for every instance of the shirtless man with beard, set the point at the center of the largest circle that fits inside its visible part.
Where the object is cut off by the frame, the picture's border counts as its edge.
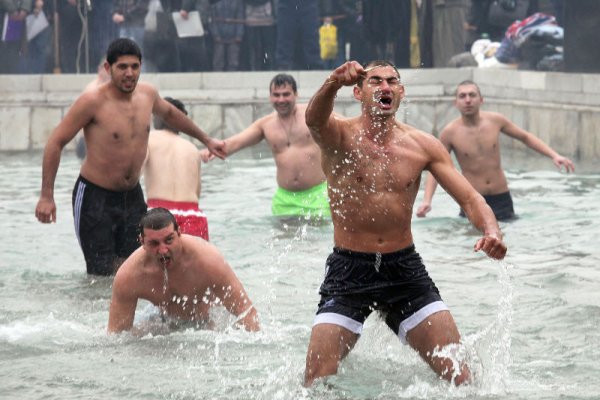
(108, 201)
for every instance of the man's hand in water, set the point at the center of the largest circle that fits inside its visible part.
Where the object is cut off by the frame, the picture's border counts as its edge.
(493, 246)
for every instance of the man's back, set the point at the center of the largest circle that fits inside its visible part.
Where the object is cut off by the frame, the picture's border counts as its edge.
(172, 169)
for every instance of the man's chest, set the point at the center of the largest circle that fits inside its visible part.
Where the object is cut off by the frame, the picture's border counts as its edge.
(476, 142)
(369, 168)
(123, 120)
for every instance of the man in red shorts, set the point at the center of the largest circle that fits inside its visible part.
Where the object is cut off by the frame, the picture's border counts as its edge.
(172, 176)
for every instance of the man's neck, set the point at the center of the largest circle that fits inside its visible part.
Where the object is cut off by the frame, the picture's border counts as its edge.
(119, 94)
(289, 115)
(471, 120)
(378, 128)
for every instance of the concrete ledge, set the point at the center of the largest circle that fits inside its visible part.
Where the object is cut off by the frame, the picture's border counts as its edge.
(20, 83)
(562, 109)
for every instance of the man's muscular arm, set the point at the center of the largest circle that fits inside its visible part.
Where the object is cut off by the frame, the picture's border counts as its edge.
(178, 120)
(319, 117)
(475, 207)
(78, 116)
(122, 303)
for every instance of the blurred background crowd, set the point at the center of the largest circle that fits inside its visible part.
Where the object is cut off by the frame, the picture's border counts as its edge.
(71, 36)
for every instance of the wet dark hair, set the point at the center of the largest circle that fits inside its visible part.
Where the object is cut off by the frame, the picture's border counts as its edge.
(122, 47)
(465, 83)
(160, 123)
(281, 80)
(377, 63)
(156, 219)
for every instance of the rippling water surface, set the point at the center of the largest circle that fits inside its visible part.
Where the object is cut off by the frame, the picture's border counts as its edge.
(529, 322)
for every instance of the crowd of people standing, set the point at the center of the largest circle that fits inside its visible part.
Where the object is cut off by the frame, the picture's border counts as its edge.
(70, 36)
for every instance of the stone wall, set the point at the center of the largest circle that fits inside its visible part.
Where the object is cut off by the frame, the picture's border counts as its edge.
(562, 109)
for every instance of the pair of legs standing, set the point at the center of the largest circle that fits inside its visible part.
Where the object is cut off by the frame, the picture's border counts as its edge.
(398, 286)
(330, 344)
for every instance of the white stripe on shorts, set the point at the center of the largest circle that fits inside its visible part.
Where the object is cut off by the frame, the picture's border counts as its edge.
(188, 213)
(418, 317)
(338, 319)
(77, 208)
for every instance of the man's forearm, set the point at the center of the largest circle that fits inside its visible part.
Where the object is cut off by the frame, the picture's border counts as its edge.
(482, 217)
(538, 145)
(49, 169)
(320, 105)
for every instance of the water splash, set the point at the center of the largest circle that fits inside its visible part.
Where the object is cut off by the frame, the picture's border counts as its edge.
(493, 343)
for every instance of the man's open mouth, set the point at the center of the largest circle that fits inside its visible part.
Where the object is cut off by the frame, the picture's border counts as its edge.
(385, 100)
(165, 260)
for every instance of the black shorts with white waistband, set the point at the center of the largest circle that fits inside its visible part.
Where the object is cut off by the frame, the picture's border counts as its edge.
(395, 284)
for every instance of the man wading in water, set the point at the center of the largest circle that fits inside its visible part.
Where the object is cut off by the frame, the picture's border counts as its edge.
(373, 165)
(108, 201)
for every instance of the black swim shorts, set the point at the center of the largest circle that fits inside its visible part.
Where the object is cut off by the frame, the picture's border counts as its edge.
(501, 204)
(395, 284)
(106, 224)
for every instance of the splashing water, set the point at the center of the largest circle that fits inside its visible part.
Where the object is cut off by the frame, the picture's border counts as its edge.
(494, 341)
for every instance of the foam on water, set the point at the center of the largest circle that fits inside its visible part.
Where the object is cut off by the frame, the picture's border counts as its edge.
(37, 330)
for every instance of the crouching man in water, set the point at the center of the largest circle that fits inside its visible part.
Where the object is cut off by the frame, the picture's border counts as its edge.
(183, 275)
(373, 165)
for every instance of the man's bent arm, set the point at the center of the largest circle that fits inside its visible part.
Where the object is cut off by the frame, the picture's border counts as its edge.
(229, 289)
(475, 207)
(537, 144)
(319, 111)
(320, 106)
(178, 120)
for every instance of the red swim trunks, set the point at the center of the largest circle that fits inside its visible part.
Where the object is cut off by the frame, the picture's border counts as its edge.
(189, 217)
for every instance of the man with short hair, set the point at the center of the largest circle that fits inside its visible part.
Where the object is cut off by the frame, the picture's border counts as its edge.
(182, 275)
(302, 187)
(172, 175)
(107, 199)
(373, 165)
(474, 137)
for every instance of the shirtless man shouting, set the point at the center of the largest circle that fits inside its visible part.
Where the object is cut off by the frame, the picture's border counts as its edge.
(373, 165)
